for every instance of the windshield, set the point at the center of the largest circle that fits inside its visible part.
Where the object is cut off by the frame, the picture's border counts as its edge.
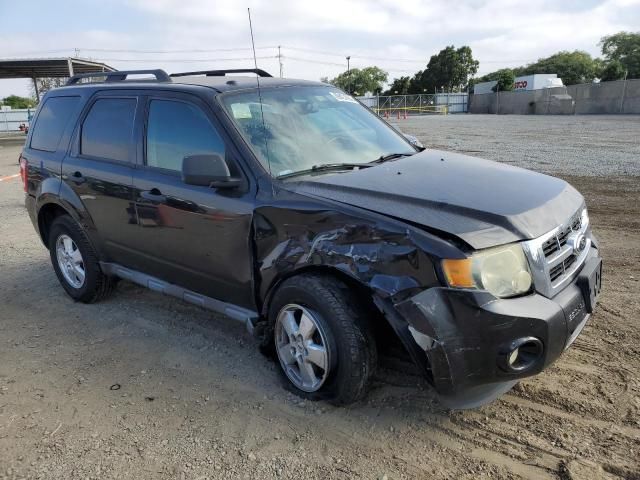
(307, 127)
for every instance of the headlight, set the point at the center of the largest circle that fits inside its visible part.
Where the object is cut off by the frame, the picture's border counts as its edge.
(502, 271)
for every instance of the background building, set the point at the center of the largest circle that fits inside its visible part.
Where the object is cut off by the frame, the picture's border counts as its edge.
(525, 82)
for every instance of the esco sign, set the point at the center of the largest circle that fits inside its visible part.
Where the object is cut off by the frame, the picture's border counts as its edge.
(520, 85)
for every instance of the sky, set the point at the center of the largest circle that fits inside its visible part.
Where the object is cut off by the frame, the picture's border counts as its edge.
(315, 37)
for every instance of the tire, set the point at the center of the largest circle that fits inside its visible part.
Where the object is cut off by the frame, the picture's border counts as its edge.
(340, 326)
(66, 236)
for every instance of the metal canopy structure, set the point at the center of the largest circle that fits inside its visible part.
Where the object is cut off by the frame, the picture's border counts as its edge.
(35, 68)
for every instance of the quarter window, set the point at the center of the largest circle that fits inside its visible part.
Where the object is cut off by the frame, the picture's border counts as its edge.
(176, 130)
(107, 130)
(52, 121)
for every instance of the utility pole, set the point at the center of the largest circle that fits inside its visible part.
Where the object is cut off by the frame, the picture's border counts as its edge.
(280, 60)
(624, 88)
(348, 75)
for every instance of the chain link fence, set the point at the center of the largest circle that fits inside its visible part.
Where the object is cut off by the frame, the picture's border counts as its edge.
(402, 106)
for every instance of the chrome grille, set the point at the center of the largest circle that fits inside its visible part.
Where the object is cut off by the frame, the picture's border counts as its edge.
(556, 242)
(555, 258)
(557, 271)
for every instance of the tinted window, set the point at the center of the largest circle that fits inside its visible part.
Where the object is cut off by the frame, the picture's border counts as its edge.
(52, 120)
(107, 129)
(176, 130)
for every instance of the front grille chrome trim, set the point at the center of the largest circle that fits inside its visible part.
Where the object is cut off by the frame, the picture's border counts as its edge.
(542, 265)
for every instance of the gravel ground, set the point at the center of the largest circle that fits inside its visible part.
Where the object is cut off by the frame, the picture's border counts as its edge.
(145, 386)
(589, 145)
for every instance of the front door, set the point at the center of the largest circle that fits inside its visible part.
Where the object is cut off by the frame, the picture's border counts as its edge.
(192, 236)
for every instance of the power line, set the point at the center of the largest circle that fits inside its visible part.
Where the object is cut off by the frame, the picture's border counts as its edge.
(365, 57)
(390, 59)
(174, 51)
(306, 60)
(299, 49)
(181, 60)
(129, 50)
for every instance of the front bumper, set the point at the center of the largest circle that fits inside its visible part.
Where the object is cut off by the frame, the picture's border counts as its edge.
(466, 334)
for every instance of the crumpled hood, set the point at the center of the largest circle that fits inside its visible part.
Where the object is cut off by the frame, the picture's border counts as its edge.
(482, 202)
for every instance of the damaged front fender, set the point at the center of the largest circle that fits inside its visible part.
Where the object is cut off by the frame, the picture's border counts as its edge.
(388, 257)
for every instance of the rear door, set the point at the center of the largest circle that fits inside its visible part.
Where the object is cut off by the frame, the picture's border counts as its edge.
(192, 236)
(99, 169)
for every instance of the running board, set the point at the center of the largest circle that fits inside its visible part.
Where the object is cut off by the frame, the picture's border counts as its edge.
(248, 317)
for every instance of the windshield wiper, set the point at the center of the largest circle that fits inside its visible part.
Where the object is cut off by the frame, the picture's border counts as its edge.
(327, 167)
(390, 156)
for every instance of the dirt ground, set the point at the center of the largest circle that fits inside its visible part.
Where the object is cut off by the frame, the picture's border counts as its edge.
(145, 386)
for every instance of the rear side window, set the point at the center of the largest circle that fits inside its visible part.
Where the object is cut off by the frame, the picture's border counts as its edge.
(176, 130)
(52, 121)
(107, 130)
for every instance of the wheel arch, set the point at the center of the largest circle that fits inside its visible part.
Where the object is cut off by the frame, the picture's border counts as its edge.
(47, 213)
(352, 282)
(50, 207)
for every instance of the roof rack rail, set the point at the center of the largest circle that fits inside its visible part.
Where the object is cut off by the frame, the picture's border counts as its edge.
(222, 73)
(120, 75)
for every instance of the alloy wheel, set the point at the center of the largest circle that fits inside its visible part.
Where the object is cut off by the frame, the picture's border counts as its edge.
(302, 347)
(70, 261)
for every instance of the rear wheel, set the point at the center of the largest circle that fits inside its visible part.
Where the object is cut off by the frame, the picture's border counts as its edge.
(322, 339)
(76, 262)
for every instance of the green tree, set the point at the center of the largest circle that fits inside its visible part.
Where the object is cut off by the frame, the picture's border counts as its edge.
(400, 86)
(612, 70)
(450, 70)
(360, 81)
(505, 78)
(14, 101)
(572, 67)
(623, 47)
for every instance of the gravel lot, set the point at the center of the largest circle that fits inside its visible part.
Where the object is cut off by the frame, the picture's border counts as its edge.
(145, 386)
(589, 145)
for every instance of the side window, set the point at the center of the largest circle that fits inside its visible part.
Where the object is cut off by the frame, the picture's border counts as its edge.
(176, 130)
(52, 121)
(107, 129)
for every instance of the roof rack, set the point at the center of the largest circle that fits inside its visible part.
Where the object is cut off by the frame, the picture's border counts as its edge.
(222, 73)
(121, 75)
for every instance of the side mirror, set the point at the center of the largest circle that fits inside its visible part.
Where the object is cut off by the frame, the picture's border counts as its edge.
(208, 171)
(414, 141)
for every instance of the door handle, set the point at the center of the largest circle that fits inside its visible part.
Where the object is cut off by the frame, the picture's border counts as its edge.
(154, 195)
(78, 178)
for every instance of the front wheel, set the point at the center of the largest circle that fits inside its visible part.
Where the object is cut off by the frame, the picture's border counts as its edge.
(322, 339)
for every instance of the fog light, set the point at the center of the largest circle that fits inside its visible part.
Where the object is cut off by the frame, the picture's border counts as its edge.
(521, 355)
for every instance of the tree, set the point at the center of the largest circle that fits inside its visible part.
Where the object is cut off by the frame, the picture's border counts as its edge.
(572, 67)
(360, 81)
(450, 69)
(505, 78)
(612, 70)
(14, 101)
(400, 86)
(624, 48)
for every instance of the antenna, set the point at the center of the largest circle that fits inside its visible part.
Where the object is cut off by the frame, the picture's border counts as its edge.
(255, 62)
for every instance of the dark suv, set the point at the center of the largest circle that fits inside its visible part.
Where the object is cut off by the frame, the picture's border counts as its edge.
(293, 208)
